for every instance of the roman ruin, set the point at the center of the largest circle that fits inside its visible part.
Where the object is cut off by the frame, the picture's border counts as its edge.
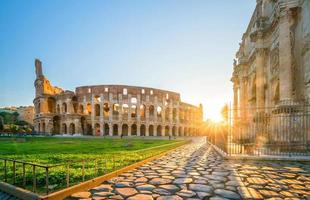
(113, 110)
(271, 75)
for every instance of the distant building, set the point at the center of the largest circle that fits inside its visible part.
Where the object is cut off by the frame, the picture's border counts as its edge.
(113, 110)
(26, 113)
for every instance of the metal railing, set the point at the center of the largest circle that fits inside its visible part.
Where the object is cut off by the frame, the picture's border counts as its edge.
(282, 130)
(45, 179)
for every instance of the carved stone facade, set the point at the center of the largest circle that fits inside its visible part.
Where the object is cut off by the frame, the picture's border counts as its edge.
(113, 110)
(272, 65)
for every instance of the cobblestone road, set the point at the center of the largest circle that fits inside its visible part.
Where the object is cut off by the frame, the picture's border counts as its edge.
(196, 171)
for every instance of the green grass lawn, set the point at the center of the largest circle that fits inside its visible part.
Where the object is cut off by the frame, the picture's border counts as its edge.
(52, 150)
(81, 158)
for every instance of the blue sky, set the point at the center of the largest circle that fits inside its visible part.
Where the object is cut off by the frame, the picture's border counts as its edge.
(185, 46)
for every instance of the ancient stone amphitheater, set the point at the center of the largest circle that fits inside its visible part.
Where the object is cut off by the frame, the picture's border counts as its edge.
(113, 110)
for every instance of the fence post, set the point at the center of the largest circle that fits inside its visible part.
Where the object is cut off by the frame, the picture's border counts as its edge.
(24, 175)
(14, 172)
(5, 171)
(68, 175)
(46, 180)
(83, 170)
(34, 186)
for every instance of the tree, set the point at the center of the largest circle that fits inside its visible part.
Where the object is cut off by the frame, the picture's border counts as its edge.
(1, 123)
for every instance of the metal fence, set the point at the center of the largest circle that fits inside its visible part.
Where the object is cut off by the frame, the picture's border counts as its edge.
(45, 179)
(282, 130)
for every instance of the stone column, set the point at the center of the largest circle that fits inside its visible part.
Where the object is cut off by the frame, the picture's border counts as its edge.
(285, 56)
(235, 105)
(110, 129)
(260, 77)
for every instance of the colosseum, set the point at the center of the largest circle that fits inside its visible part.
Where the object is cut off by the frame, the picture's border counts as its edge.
(112, 110)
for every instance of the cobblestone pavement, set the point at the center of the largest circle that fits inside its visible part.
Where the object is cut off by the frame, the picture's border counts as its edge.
(196, 171)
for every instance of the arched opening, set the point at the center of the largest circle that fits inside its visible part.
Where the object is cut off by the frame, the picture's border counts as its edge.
(97, 129)
(72, 129)
(134, 129)
(142, 112)
(159, 112)
(43, 127)
(64, 128)
(151, 130)
(125, 130)
(81, 109)
(174, 114)
(89, 129)
(106, 110)
(125, 109)
(51, 105)
(185, 132)
(133, 111)
(38, 108)
(151, 111)
(56, 124)
(39, 127)
(83, 124)
(180, 131)
(75, 104)
(142, 130)
(88, 108)
(106, 129)
(167, 129)
(97, 110)
(115, 129)
(58, 109)
(174, 131)
(116, 109)
(158, 132)
(64, 108)
(167, 114)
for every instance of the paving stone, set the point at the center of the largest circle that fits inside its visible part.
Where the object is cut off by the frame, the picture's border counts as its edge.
(186, 193)
(162, 191)
(249, 193)
(147, 187)
(200, 188)
(269, 193)
(81, 195)
(172, 197)
(126, 192)
(227, 194)
(141, 197)
(160, 181)
(170, 188)
(124, 184)
(182, 180)
(102, 188)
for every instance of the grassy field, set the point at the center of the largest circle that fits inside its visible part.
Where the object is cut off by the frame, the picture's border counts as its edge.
(80, 159)
(49, 150)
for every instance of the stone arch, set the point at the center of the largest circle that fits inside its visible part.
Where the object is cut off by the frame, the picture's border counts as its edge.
(89, 129)
(106, 129)
(180, 131)
(142, 130)
(58, 109)
(106, 110)
(134, 130)
(125, 110)
(142, 111)
(125, 130)
(88, 108)
(81, 109)
(97, 110)
(43, 127)
(116, 109)
(64, 108)
(97, 129)
(167, 114)
(159, 111)
(133, 111)
(51, 105)
(167, 129)
(159, 130)
(151, 130)
(151, 111)
(39, 127)
(83, 125)
(56, 124)
(115, 130)
(174, 131)
(64, 128)
(174, 114)
(72, 128)
(75, 104)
